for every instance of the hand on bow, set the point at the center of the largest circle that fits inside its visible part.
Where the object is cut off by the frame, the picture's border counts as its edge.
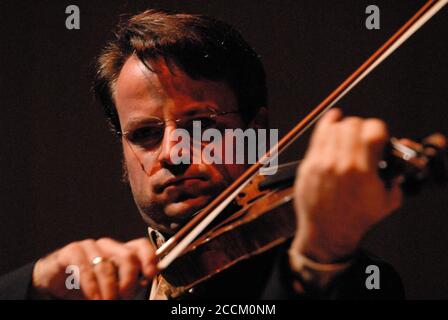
(107, 269)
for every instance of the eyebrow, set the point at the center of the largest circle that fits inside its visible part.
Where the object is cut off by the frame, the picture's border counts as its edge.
(195, 109)
(135, 122)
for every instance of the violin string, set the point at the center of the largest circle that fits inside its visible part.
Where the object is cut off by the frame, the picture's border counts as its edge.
(415, 23)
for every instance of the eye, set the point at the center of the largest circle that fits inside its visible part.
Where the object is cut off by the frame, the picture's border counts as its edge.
(205, 121)
(147, 136)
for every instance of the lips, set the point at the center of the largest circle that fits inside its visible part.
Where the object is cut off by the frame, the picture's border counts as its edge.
(177, 181)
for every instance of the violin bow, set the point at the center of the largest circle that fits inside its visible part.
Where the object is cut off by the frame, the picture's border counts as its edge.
(174, 247)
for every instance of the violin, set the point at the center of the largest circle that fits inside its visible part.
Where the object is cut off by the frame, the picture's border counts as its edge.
(261, 215)
(265, 217)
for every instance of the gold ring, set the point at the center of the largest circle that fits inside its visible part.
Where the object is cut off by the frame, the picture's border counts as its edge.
(97, 260)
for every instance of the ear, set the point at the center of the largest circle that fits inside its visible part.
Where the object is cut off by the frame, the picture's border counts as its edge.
(260, 121)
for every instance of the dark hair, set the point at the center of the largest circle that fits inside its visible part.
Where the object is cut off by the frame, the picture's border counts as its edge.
(204, 48)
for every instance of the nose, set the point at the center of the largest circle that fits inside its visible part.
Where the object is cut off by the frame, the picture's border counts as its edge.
(167, 145)
(166, 148)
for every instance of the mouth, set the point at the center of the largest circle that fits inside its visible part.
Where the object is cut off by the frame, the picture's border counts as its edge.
(173, 182)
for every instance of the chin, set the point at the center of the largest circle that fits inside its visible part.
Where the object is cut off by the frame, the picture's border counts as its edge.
(181, 211)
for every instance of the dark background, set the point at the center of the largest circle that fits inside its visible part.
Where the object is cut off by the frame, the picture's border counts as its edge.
(60, 167)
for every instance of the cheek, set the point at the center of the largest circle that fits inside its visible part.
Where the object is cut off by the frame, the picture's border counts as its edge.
(139, 169)
(235, 170)
(219, 171)
(224, 174)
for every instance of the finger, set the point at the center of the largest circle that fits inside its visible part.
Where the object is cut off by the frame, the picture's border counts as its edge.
(74, 254)
(142, 247)
(128, 265)
(105, 271)
(330, 116)
(351, 153)
(321, 131)
(349, 142)
(374, 137)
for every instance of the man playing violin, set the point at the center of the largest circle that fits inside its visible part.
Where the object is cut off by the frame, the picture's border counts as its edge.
(161, 71)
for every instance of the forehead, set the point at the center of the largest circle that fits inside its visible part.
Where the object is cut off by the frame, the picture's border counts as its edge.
(141, 92)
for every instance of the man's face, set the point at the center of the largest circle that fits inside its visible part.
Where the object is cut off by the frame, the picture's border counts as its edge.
(168, 194)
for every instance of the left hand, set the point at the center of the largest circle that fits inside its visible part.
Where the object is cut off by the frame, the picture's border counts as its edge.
(338, 193)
